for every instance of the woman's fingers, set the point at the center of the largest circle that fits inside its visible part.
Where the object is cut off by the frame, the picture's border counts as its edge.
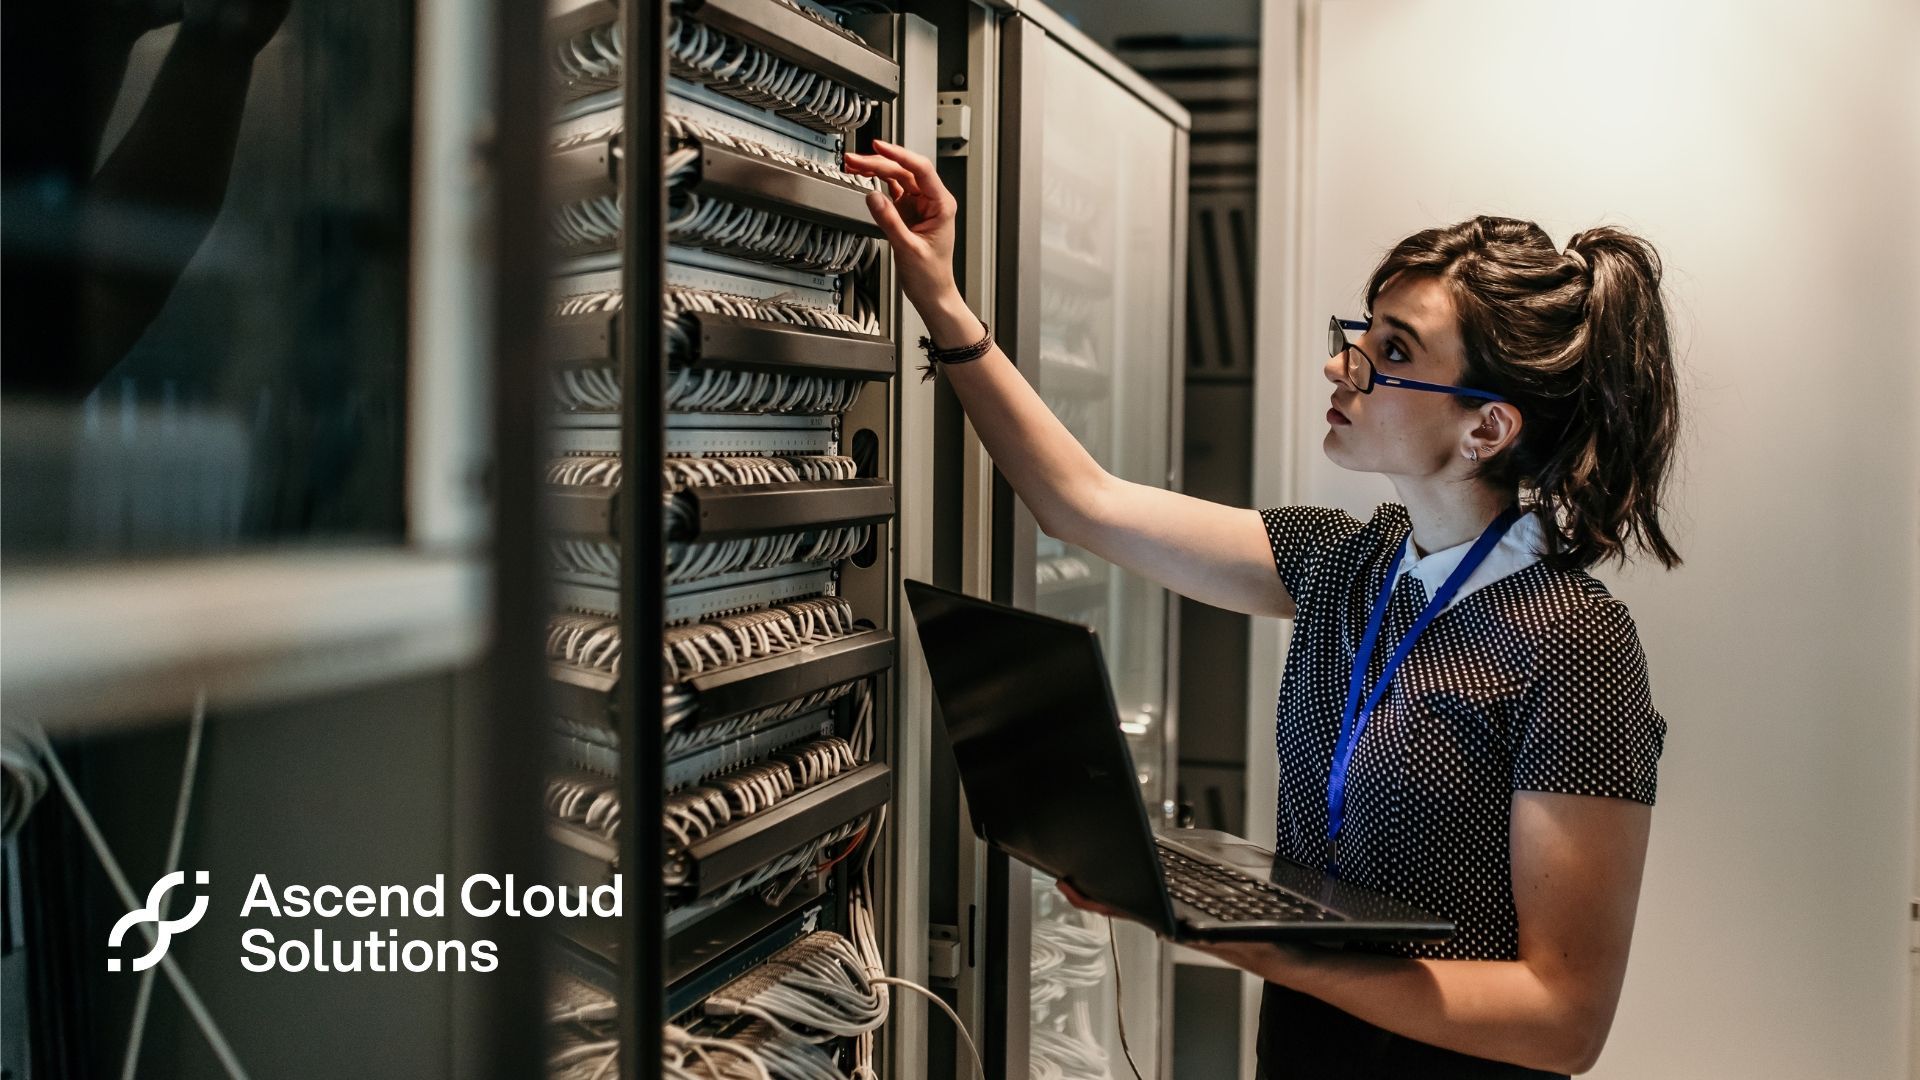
(1080, 901)
(891, 171)
(887, 216)
(921, 168)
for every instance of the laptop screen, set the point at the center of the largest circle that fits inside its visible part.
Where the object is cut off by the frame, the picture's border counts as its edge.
(1027, 705)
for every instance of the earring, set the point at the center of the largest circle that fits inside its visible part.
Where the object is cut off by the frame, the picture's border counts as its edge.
(1473, 454)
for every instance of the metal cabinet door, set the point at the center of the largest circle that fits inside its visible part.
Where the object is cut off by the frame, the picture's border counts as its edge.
(1092, 210)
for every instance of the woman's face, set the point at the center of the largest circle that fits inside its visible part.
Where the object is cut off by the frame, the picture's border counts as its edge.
(1396, 431)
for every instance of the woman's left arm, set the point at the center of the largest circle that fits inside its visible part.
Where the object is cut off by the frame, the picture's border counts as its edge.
(1577, 862)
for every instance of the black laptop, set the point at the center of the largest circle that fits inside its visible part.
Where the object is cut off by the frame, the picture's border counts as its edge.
(1049, 781)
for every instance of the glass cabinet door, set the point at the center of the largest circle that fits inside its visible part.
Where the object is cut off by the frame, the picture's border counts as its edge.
(1106, 362)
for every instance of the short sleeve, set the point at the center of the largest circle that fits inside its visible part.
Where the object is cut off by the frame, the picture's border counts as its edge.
(1586, 723)
(1299, 536)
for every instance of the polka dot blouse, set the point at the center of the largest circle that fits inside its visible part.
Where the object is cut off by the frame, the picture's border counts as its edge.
(1533, 682)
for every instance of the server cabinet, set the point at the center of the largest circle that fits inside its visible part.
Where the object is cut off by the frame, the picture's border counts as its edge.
(1073, 191)
(724, 317)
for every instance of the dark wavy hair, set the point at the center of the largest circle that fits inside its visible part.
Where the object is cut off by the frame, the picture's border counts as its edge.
(1578, 341)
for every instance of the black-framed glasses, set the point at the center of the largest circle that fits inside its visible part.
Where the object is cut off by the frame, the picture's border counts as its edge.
(1363, 376)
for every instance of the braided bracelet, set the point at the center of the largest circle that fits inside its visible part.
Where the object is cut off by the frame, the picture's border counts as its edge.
(961, 355)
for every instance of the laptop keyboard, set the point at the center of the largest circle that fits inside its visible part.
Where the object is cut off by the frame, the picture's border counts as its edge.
(1234, 897)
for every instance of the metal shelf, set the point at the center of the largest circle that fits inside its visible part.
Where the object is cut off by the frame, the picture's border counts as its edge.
(732, 342)
(714, 951)
(581, 694)
(592, 169)
(731, 511)
(582, 509)
(737, 510)
(744, 688)
(747, 845)
(585, 857)
(755, 181)
(790, 35)
(585, 170)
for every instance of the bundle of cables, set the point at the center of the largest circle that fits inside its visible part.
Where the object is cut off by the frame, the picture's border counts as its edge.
(757, 1051)
(702, 220)
(581, 1020)
(585, 640)
(814, 990)
(714, 390)
(685, 130)
(573, 555)
(588, 799)
(588, 62)
(777, 879)
(693, 814)
(685, 738)
(692, 561)
(696, 648)
(591, 61)
(596, 388)
(1070, 967)
(748, 73)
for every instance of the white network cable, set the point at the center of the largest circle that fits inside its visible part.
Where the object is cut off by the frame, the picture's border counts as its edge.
(588, 799)
(755, 1052)
(691, 389)
(589, 62)
(693, 814)
(866, 942)
(679, 474)
(683, 738)
(702, 220)
(592, 641)
(680, 300)
(757, 77)
(592, 61)
(814, 990)
(685, 129)
(584, 640)
(602, 470)
(694, 561)
(696, 648)
(1062, 568)
(731, 229)
(775, 880)
(590, 558)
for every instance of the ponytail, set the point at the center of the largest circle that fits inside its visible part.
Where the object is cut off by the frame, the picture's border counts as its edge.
(1578, 341)
(1606, 474)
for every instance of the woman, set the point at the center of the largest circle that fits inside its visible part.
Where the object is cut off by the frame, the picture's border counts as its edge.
(1465, 720)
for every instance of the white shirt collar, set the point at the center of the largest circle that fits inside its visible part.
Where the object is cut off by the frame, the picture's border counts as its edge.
(1520, 548)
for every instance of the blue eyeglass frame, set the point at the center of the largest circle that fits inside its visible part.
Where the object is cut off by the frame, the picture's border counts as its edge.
(1337, 327)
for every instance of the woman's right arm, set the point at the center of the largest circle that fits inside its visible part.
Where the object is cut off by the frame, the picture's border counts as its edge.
(1213, 553)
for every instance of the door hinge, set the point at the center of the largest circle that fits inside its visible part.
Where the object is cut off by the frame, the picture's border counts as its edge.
(953, 123)
(943, 953)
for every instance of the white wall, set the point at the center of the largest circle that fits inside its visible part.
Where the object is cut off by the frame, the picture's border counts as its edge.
(1772, 154)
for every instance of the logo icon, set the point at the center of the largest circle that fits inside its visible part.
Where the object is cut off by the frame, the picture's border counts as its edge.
(164, 929)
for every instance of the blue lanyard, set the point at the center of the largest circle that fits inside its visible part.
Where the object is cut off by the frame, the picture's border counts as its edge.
(1354, 720)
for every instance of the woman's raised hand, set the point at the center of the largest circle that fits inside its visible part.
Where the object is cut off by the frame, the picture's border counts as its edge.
(916, 213)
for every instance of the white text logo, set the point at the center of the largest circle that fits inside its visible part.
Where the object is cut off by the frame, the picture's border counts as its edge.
(165, 928)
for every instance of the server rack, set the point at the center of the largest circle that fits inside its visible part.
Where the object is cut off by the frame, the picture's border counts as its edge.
(723, 315)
